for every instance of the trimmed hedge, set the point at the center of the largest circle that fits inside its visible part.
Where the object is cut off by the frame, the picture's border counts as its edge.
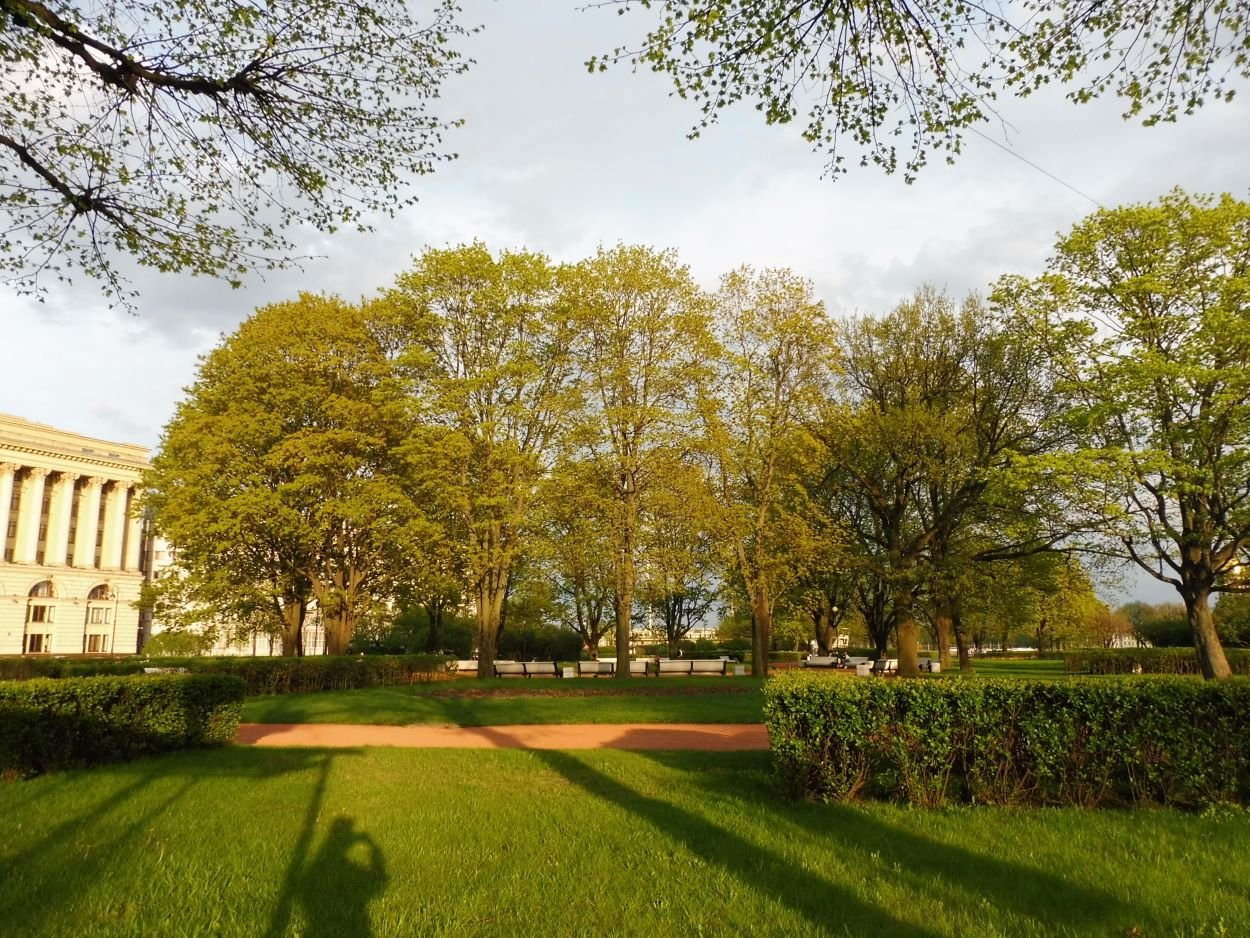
(1167, 741)
(48, 724)
(260, 675)
(1148, 661)
(304, 675)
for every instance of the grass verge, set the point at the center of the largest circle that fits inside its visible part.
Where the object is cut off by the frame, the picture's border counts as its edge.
(436, 842)
(507, 702)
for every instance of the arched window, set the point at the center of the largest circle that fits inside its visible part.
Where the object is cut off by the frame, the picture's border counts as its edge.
(97, 630)
(40, 616)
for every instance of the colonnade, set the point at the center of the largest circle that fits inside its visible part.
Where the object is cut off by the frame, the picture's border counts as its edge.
(47, 513)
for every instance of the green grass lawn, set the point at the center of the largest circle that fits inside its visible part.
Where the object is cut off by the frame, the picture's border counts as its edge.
(1016, 667)
(504, 702)
(387, 842)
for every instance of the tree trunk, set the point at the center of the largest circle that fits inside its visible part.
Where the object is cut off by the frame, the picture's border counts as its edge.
(908, 638)
(623, 605)
(822, 620)
(293, 612)
(1211, 657)
(961, 643)
(942, 628)
(626, 575)
(434, 637)
(761, 631)
(491, 593)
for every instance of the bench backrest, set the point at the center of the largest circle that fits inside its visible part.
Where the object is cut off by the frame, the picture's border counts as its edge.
(509, 667)
(540, 667)
(638, 667)
(712, 667)
(596, 667)
(675, 665)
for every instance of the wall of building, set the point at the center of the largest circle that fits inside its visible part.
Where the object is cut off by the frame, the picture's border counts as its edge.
(71, 551)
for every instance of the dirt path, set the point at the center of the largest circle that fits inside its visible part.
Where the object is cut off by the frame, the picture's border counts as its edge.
(702, 736)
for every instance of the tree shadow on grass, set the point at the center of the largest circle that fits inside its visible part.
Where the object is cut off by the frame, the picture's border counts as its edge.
(40, 881)
(825, 905)
(933, 870)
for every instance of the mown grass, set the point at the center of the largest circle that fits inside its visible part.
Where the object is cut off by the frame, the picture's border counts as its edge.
(1034, 668)
(271, 842)
(507, 702)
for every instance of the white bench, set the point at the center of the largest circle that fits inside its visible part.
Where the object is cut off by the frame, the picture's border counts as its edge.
(692, 666)
(465, 666)
(526, 669)
(820, 661)
(884, 666)
(637, 667)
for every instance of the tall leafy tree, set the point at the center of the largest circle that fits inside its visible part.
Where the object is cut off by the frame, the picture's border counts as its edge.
(772, 378)
(872, 72)
(644, 339)
(490, 360)
(1146, 309)
(280, 475)
(188, 134)
(939, 402)
(680, 569)
(575, 545)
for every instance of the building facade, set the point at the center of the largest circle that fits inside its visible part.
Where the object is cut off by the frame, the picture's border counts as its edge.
(71, 565)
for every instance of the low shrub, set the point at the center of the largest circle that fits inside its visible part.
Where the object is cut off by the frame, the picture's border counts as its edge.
(786, 655)
(344, 672)
(260, 675)
(1166, 741)
(48, 724)
(1147, 661)
(24, 667)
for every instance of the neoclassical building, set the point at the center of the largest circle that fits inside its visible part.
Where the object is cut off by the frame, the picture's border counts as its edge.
(70, 570)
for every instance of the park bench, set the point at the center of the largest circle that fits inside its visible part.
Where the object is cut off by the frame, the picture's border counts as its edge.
(820, 661)
(595, 668)
(885, 666)
(526, 669)
(464, 665)
(692, 666)
(540, 669)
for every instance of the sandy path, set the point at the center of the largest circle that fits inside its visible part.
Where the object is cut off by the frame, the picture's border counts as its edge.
(702, 736)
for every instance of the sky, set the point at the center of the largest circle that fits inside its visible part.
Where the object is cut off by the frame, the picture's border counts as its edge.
(557, 160)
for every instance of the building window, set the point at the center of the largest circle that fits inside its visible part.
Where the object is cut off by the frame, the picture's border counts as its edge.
(39, 612)
(38, 643)
(99, 615)
(96, 644)
(99, 592)
(42, 590)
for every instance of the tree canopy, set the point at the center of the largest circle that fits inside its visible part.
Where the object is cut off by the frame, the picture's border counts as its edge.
(891, 76)
(189, 134)
(1144, 313)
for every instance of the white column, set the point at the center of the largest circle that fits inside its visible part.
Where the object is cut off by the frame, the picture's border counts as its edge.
(134, 535)
(88, 522)
(114, 526)
(29, 512)
(7, 471)
(58, 519)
